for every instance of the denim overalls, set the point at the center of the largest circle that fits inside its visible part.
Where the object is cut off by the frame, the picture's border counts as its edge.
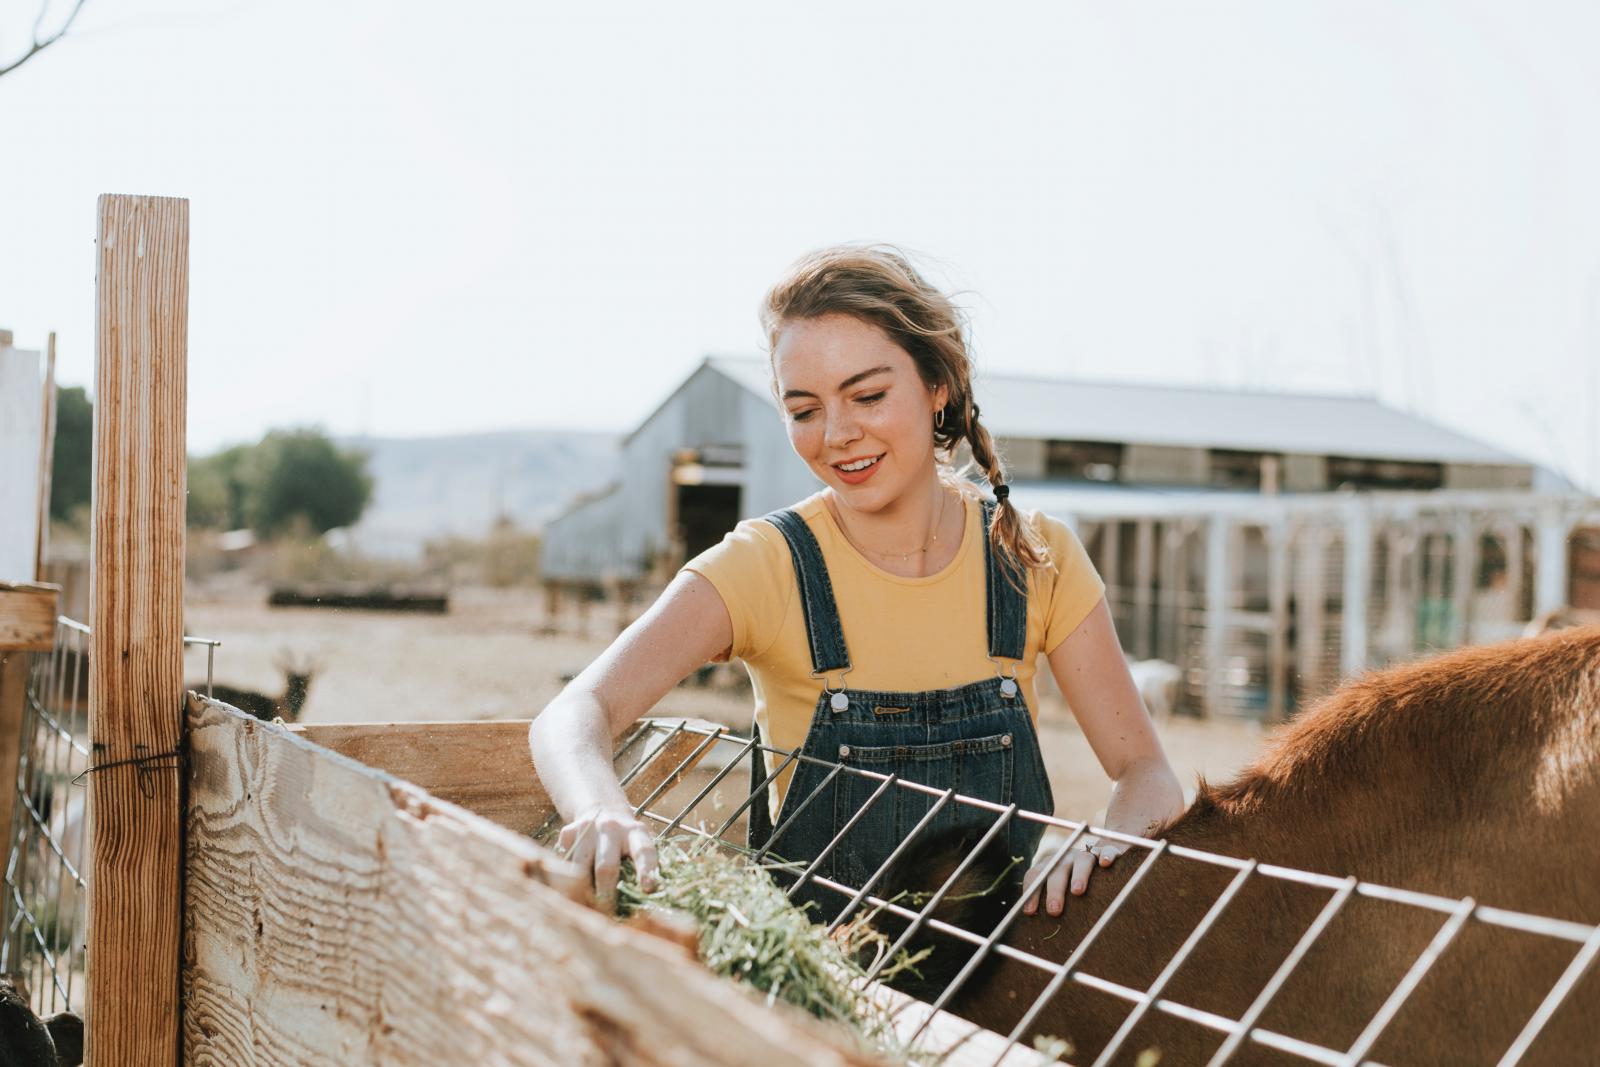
(978, 739)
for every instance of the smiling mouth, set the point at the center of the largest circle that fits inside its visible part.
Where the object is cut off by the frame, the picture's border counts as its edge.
(857, 466)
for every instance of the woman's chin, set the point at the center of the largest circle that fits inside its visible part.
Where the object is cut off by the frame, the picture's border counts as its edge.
(862, 497)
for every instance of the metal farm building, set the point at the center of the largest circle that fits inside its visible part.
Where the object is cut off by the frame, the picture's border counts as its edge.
(1267, 543)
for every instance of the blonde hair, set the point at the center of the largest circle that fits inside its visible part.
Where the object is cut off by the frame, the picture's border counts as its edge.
(878, 284)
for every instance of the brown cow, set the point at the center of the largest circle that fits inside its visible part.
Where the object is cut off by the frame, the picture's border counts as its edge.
(1473, 773)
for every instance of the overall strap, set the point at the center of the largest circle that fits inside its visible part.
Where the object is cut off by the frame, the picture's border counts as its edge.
(828, 652)
(1008, 605)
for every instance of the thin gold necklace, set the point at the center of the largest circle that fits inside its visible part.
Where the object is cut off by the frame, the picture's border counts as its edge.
(905, 557)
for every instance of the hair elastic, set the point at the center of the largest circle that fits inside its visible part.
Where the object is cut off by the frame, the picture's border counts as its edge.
(1001, 492)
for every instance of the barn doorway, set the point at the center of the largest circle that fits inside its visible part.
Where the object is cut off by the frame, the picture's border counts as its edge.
(705, 513)
(706, 488)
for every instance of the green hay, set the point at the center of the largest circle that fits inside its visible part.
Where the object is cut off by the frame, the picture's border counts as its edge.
(752, 932)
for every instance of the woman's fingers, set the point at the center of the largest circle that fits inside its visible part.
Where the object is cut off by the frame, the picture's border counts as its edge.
(1035, 877)
(1082, 864)
(607, 865)
(580, 845)
(1055, 887)
(642, 847)
(1072, 873)
(598, 842)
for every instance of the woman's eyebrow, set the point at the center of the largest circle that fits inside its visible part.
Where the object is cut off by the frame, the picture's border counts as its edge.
(847, 383)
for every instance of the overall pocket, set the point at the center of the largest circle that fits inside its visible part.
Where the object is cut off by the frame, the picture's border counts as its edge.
(980, 767)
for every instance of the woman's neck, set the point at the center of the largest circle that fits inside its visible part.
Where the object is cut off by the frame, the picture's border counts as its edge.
(914, 535)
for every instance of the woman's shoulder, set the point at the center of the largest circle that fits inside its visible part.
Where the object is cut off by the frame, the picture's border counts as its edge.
(1048, 524)
(1070, 570)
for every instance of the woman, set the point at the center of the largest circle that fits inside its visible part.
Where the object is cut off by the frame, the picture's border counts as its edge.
(891, 621)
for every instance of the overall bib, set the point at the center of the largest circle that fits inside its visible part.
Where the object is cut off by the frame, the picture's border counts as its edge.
(978, 739)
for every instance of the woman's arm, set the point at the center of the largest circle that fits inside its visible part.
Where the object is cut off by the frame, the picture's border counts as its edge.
(1093, 676)
(572, 739)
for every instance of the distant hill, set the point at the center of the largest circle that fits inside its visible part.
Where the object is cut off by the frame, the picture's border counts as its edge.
(431, 487)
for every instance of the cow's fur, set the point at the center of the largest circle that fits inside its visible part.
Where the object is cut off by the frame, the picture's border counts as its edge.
(1474, 773)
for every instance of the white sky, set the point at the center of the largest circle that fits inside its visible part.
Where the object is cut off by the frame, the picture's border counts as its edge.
(527, 217)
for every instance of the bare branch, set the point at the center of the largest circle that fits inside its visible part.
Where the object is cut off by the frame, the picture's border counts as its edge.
(41, 45)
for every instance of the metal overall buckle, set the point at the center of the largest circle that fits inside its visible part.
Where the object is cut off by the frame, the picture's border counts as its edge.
(1008, 683)
(836, 698)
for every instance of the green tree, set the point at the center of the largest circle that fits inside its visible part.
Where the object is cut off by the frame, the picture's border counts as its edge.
(218, 491)
(296, 476)
(74, 453)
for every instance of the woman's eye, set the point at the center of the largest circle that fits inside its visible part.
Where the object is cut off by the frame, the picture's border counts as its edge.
(873, 399)
(802, 416)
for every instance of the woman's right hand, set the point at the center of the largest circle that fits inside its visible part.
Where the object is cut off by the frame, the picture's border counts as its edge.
(572, 740)
(598, 839)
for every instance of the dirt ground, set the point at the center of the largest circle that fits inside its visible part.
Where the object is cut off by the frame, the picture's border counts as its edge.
(494, 657)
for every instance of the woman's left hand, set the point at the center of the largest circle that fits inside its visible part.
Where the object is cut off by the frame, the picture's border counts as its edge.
(1071, 872)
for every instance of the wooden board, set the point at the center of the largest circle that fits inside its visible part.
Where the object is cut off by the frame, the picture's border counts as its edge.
(482, 765)
(337, 915)
(136, 664)
(28, 617)
(949, 1040)
(13, 703)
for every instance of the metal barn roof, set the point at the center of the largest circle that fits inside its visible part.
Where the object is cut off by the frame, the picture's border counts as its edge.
(1195, 417)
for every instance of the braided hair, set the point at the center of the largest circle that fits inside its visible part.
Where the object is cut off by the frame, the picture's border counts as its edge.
(878, 284)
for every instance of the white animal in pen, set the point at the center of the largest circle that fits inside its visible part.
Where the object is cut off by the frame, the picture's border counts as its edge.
(1157, 682)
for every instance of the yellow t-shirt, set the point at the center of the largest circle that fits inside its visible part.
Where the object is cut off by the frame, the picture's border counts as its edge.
(905, 634)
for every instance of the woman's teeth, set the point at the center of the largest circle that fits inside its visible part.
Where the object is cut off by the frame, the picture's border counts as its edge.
(863, 465)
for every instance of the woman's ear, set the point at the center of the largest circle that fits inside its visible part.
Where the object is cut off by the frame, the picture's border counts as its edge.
(941, 397)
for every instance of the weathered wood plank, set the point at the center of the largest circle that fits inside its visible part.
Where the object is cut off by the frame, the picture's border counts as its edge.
(28, 616)
(483, 765)
(13, 702)
(136, 666)
(337, 915)
(950, 1040)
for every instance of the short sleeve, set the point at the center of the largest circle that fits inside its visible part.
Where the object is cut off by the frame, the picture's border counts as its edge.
(1077, 586)
(751, 571)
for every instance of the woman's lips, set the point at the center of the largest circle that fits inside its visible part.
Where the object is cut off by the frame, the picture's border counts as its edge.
(857, 477)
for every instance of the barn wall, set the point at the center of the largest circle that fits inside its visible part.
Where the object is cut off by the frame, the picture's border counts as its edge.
(335, 916)
(703, 411)
(584, 543)
(618, 532)
(774, 476)
(1487, 476)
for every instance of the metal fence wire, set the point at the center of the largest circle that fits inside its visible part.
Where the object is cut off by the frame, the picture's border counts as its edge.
(706, 796)
(47, 865)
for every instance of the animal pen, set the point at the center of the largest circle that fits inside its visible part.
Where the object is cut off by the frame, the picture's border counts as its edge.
(1268, 601)
(377, 893)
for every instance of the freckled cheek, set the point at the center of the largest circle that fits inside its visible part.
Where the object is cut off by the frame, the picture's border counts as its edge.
(805, 439)
(904, 428)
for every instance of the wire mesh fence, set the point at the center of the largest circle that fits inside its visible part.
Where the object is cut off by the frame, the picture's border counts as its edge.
(47, 863)
(706, 797)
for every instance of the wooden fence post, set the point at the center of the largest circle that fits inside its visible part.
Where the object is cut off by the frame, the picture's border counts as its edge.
(135, 673)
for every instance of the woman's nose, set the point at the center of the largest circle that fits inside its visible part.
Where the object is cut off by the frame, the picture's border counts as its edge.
(841, 430)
